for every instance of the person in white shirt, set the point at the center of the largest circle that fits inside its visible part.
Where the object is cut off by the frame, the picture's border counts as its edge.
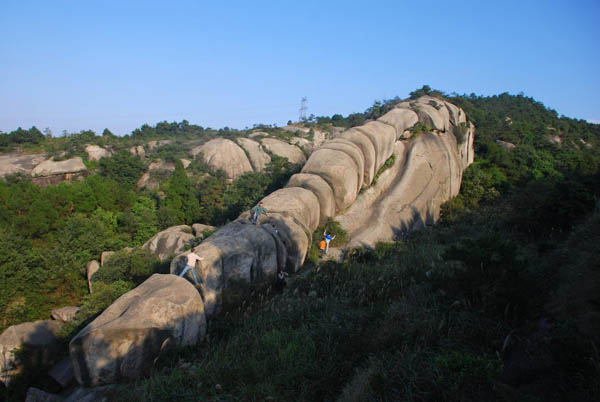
(192, 257)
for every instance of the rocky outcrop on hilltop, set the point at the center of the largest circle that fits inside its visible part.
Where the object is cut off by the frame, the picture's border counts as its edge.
(337, 180)
(170, 241)
(226, 155)
(52, 172)
(256, 153)
(15, 162)
(95, 152)
(294, 154)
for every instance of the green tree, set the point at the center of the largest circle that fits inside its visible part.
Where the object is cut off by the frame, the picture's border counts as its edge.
(123, 168)
(180, 196)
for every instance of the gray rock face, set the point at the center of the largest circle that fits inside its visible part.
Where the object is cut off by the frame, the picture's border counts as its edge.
(39, 337)
(505, 145)
(64, 314)
(226, 155)
(95, 152)
(62, 372)
(368, 150)
(123, 342)
(105, 256)
(37, 395)
(238, 251)
(14, 162)
(50, 168)
(303, 144)
(256, 154)
(170, 241)
(294, 154)
(156, 144)
(156, 170)
(297, 203)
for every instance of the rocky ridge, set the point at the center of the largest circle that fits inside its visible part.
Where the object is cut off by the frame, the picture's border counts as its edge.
(336, 181)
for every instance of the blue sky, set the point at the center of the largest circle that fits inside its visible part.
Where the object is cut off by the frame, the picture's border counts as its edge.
(74, 65)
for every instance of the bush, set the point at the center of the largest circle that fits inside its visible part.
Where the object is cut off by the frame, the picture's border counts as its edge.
(128, 266)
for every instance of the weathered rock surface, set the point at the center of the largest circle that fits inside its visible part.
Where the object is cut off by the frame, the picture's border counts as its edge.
(96, 152)
(400, 119)
(320, 188)
(62, 372)
(226, 155)
(368, 150)
(40, 340)
(339, 170)
(64, 314)
(294, 154)
(170, 241)
(302, 143)
(383, 137)
(256, 154)
(15, 162)
(91, 268)
(198, 228)
(237, 251)
(105, 256)
(98, 394)
(123, 342)
(157, 171)
(50, 168)
(37, 395)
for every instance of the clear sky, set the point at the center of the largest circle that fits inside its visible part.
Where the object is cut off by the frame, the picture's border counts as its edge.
(74, 65)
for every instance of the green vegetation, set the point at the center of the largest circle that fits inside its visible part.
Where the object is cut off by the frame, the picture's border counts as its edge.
(388, 163)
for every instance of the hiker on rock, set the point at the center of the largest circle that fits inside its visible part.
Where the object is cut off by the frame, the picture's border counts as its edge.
(322, 247)
(257, 211)
(280, 282)
(190, 263)
(328, 238)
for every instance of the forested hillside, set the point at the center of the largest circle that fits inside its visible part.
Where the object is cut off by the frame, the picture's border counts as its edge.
(497, 302)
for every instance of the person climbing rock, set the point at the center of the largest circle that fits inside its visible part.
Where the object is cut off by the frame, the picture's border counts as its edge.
(328, 238)
(190, 263)
(280, 281)
(322, 247)
(257, 211)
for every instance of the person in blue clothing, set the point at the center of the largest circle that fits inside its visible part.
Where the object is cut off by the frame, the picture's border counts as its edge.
(328, 238)
(257, 211)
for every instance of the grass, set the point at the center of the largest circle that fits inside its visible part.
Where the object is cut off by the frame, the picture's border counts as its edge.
(388, 324)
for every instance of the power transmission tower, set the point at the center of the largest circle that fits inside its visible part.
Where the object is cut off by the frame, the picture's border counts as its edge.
(303, 108)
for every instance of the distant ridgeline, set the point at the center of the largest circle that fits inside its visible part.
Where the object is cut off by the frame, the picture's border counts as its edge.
(430, 141)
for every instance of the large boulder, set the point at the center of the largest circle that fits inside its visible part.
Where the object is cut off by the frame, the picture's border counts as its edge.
(125, 340)
(12, 163)
(226, 155)
(155, 144)
(238, 251)
(320, 188)
(51, 168)
(339, 170)
(303, 143)
(170, 241)
(256, 154)
(293, 154)
(400, 119)
(40, 341)
(200, 228)
(157, 171)
(96, 152)
(64, 314)
(298, 203)
(62, 372)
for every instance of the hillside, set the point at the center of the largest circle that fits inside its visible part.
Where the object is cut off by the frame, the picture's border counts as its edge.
(417, 319)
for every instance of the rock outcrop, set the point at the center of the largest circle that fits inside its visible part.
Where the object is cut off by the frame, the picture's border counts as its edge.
(64, 314)
(123, 342)
(170, 241)
(256, 154)
(293, 154)
(337, 180)
(226, 155)
(51, 172)
(96, 152)
(38, 337)
(14, 162)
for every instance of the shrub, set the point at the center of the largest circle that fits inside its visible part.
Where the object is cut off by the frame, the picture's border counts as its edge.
(128, 266)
